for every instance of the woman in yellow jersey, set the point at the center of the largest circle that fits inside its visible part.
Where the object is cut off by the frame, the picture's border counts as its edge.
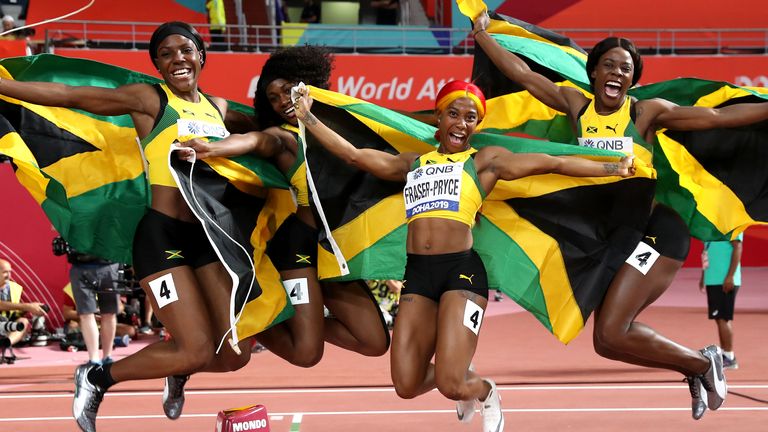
(614, 66)
(176, 266)
(446, 290)
(355, 322)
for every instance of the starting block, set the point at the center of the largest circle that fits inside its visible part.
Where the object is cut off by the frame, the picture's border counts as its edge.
(250, 418)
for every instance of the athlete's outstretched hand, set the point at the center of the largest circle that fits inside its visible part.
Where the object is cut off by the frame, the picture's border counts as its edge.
(481, 22)
(200, 148)
(627, 166)
(303, 102)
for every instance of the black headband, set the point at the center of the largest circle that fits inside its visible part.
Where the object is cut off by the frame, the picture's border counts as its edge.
(172, 29)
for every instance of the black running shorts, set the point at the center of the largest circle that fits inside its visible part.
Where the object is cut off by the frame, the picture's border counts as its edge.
(294, 245)
(667, 233)
(720, 304)
(432, 275)
(162, 242)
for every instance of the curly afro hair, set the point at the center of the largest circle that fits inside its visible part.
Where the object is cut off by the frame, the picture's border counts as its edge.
(309, 64)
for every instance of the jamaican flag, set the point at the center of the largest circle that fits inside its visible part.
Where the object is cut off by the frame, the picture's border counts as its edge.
(87, 173)
(713, 179)
(550, 242)
(97, 205)
(366, 215)
(240, 211)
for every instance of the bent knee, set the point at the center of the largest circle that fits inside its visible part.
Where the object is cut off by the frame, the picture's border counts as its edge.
(405, 391)
(307, 357)
(607, 339)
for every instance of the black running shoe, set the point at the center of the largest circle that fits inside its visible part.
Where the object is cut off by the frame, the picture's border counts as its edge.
(87, 399)
(698, 404)
(173, 395)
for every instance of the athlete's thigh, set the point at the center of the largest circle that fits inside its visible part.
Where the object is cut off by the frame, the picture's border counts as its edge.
(631, 292)
(415, 335)
(177, 300)
(307, 298)
(353, 304)
(459, 322)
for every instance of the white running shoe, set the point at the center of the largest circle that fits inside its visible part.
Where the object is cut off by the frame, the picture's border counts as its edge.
(714, 378)
(87, 399)
(493, 418)
(465, 409)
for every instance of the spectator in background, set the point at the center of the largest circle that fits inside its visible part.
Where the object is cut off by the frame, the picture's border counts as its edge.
(9, 24)
(217, 19)
(311, 12)
(11, 306)
(721, 276)
(92, 278)
(387, 11)
(72, 319)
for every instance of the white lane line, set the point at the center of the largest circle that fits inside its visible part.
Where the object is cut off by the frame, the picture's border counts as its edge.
(68, 394)
(391, 412)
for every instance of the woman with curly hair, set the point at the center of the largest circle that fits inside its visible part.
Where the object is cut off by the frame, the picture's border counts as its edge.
(355, 321)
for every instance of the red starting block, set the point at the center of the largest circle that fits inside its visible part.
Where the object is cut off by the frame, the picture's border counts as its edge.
(250, 418)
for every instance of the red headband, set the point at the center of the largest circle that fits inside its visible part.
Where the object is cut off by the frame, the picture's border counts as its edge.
(459, 89)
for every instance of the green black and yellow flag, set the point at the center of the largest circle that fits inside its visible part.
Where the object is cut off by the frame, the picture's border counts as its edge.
(711, 178)
(549, 242)
(87, 173)
(366, 215)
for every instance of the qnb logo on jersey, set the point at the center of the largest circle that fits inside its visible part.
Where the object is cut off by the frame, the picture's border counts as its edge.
(622, 144)
(417, 173)
(439, 169)
(190, 127)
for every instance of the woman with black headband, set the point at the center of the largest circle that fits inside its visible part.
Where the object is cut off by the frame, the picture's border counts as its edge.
(355, 322)
(177, 268)
(613, 66)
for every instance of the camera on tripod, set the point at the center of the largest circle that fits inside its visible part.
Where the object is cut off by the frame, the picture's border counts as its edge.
(10, 327)
(123, 285)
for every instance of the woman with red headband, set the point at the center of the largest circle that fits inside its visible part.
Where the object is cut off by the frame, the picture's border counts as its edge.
(446, 289)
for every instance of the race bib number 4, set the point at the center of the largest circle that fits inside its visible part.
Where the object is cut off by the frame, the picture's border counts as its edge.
(298, 290)
(643, 257)
(164, 290)
(433, 187)
(473, 316)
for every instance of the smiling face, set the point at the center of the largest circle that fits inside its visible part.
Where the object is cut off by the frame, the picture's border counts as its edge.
(613, 77)
(456, 124)
(178, 61)
(279, 97)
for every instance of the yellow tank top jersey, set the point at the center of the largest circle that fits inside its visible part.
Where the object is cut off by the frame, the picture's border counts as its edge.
(178, 120)
(615, 131)
(444, 186)
(297, 174)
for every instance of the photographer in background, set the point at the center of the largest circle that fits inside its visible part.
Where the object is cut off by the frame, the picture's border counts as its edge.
(11, 306)
(93, 288)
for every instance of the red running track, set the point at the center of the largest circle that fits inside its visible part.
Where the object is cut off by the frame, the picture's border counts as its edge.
(544, 385)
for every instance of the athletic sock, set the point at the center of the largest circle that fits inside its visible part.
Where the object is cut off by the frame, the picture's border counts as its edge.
(101, 376)
(728, 354)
